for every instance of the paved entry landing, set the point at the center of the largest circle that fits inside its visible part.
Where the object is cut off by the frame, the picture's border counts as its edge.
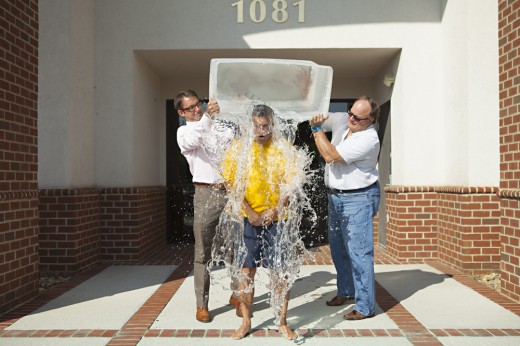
(152, 303)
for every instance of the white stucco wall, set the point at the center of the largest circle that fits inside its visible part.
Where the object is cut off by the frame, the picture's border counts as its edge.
(147, 124)
(53, 93)
(447, 68)
(469, 132)
(483, 94)
(66, 94)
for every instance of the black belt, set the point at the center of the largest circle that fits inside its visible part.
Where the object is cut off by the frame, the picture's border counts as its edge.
(337, 191)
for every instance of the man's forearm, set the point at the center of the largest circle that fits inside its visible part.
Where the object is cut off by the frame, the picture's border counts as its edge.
(325, 147)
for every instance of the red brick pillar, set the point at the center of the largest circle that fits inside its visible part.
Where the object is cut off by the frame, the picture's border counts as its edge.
(510, 265)
(18, 152)
(509, 84)
(19, 275)
(376, 230)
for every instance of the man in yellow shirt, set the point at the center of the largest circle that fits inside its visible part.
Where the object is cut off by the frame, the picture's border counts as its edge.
(261, 178)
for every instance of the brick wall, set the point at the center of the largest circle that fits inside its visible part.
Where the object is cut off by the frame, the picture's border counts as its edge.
(469, 228)
(18, 248)
(79, 227)
(509, 60)
(509, 84)
(132, 222)
(18, 152)
(376, 229)
(411, 230)
(69, 230)
(510, 265)
(456, 225)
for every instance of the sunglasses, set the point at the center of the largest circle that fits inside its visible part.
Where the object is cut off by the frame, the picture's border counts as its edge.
(356, 118)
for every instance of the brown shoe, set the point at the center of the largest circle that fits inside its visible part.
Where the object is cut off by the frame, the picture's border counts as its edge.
(338, 300)
(235, 302)
(203, 314)
(356, 315)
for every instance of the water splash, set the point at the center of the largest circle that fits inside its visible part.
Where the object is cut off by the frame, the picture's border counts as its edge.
(229, 249)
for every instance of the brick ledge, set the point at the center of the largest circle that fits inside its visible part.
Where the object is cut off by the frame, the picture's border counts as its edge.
(131, 190)
(68, 192)
(56, 192)
(441, 189)
(509, 193)
(13, 195)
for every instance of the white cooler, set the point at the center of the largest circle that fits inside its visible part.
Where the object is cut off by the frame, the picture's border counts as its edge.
(296, 89)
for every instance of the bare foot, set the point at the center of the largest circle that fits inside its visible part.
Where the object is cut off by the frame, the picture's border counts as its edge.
(241, 332)
(287, 332)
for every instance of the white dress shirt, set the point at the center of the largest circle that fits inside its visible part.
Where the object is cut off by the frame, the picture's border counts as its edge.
(359, 152)
(200, 142)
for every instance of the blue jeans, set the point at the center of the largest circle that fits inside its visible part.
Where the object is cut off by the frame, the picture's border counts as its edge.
(352, 244)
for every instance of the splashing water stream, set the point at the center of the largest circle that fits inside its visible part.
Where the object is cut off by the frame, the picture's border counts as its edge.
(229, 248)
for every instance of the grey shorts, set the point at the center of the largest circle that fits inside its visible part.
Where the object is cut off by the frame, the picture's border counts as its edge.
(260, 244)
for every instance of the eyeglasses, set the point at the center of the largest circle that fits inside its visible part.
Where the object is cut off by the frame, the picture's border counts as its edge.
(263, 127)
(192, 107)
(356, 118)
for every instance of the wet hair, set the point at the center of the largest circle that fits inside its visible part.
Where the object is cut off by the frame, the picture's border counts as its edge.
(263, 111)
(374, 107)
(181, 95)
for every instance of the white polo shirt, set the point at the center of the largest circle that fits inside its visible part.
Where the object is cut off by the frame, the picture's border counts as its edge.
(359, 152)
(200, 142)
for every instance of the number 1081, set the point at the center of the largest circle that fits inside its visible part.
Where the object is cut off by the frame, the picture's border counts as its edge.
(279, 14)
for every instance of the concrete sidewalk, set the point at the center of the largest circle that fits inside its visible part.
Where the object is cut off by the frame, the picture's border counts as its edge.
(152, 303)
